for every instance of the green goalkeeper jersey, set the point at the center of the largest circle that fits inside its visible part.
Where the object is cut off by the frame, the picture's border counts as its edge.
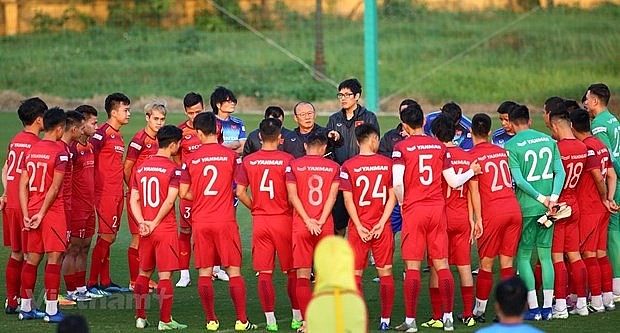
(536, 167)
(605, 127)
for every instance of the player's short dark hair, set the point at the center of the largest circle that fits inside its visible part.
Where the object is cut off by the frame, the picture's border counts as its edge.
(571, 105)
(30, 109)
(580, 120)
(559, 115)
(406, 102)
(506, 106)
(364, 131)
(443, 127)
(353, 84)
(192, 99)
(74, 118)
(601, 91)
(300, 104)
(454, 110)
(554, 104)
(114, 100)
(274, 111)
(520, 114)
(206, 123)
(168, 134)
(481, 125)
(53, 118)
(413, 116)
(87, 110)
(269, 129)
(73, 324)
(511, 296)
(317, 138)
(221, 95)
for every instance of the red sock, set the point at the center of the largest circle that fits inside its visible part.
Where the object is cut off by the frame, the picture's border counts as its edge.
(446, 289)
(236, 286)
(411, 289)
(579, 278)
(507, 273)
(98, 256)
(467, 294)
(266, 292)
(484, 284)
(304, 294)
(165, 291)
(386, 293)
(291, 288)
(358, 283)
(13, 281)
(594, 275)
(52, 281)
(29, 279)
(185, 250)
(134, 264)
(606, 274)
(538, 276)
(70, 282)
(435, 303)
(140, 293)
(80, 279)
(561, 279)
(207, 297)
(105, 270)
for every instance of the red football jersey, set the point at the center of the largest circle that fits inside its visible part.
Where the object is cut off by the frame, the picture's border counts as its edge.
(210, 171)
(108, 147)
(18, 148)
(424, 159)
(83, 181)
(141, 147)
(456, 198)
(42, 161)
(314, 176)
(587, 194)
(368, 178)
(574, 155)
(152, 179)
(66, 189)
(495, 181)
(264, 172)
(189, 142)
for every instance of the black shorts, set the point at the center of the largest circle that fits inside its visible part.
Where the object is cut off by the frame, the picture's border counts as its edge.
(339, 213)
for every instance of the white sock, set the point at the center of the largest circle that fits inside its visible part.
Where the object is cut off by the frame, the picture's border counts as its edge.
(597, 301)
(547, 298)
(608, 297)
(447, 315)
(71, 293)
(26, 305)
(409, 321)
(297, 314)
(581, 303)
(185, 274)
(216, 269)
(270, 317)
(385, 320)
(51, 307)
(481, 306)
(81, 289)
(560, 304)
(616, 282)
(532, 300)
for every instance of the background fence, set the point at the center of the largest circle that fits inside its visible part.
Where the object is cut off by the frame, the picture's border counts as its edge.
(281, 51)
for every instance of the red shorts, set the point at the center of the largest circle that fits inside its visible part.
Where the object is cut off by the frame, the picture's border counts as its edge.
(459, 249)
(109, 211)
(82, 223)
(304, 244)
(271, 235)
(50, 236)
(161, 250)
(216, 243)
(13, 226)
(382, 248)
(134, 227)
(593, 232)
(424, 227)
(501, 233)
(185, 208)
(566, 234)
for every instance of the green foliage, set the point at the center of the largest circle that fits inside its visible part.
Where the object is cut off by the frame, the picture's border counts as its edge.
(215, 20)
(138, 13)
(402, 8)
(43, 22)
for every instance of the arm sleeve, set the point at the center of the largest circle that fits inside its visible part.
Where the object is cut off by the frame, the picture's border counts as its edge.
(455, 180)
(345, 180)
(242, 134)
(517, 176)
(559, 175)
(398, 172)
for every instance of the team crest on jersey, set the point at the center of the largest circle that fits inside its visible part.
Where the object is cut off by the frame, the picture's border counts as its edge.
(187, 137)
(149, 145)
(233, 127)
(339, 124)
(81, 153)
(112, 136)
(293, 139)
(359, 122)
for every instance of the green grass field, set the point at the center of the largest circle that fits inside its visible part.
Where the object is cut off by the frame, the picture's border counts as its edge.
(115, 314)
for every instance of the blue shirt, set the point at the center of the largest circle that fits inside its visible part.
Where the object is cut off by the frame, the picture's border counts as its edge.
(509, 328)
(232, 129)
(462, 137)
(500, 137)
